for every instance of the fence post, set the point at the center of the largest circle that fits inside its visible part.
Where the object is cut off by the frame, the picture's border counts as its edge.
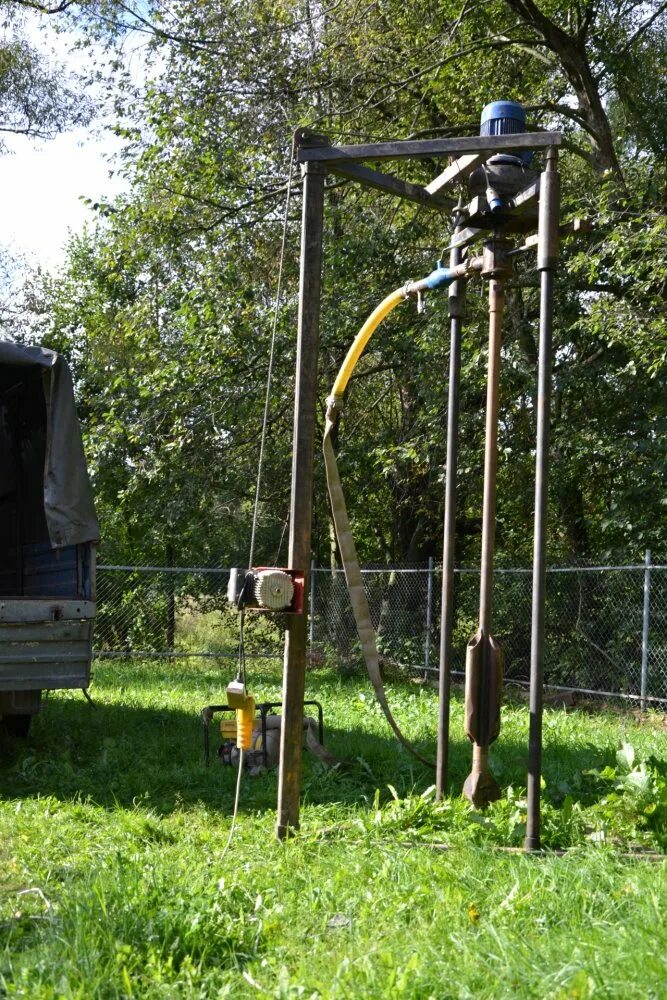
(311, 608)
(645, 623)
(171, 601)
(429, 617)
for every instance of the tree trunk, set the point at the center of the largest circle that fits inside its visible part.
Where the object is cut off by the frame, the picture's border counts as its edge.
(573, 58)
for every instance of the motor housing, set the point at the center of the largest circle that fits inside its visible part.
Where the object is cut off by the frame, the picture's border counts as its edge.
(505, 118)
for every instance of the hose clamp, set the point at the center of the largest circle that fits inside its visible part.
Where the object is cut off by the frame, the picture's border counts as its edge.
(335, 408)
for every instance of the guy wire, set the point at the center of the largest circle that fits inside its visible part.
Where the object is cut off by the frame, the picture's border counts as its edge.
(269, 376)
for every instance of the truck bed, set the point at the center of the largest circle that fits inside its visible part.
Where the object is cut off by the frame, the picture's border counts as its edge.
(45, 643)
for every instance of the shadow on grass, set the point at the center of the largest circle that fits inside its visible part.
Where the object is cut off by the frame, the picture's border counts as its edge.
(119, 754)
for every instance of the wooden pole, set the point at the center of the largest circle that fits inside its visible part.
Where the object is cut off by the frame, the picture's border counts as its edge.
(294, 675)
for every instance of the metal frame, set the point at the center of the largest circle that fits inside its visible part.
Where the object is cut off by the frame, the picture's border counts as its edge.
(317, 157)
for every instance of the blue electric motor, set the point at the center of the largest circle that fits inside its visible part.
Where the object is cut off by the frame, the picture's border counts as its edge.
(502, 118)
(505, 118)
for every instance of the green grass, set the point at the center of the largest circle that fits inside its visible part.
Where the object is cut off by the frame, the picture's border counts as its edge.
(112, 882)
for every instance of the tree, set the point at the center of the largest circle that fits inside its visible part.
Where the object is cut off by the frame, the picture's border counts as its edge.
(171, 295)
(39, 98)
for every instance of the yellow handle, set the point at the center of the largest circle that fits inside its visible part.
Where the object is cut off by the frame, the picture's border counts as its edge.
(362, 338)
(245, 723)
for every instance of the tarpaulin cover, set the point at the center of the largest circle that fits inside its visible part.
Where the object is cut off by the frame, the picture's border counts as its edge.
(68, 496)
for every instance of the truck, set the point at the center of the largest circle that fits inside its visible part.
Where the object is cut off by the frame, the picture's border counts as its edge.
(48, 535)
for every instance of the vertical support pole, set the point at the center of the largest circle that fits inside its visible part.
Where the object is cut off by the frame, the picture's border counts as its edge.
(14, 417)
(294, 674)
(547, 261)
(429, 617)
(645, 625)
(311, 606)
(456, 309)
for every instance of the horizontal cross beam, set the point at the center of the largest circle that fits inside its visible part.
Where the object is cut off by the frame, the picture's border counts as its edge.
(528, 194)
(392, 185)
(414, 148)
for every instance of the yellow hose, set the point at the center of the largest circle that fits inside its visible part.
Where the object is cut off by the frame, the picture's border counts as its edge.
(346, 546)
(362, 338)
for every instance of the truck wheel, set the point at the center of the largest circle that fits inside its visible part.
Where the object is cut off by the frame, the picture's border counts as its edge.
(17, 725)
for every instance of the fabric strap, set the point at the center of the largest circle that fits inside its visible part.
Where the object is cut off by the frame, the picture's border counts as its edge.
(353, 577)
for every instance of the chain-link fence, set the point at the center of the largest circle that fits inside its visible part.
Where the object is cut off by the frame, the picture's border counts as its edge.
(606, 626)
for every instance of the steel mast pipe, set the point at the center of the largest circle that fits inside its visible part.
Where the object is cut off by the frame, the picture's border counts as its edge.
(456, 311)
(547, 261)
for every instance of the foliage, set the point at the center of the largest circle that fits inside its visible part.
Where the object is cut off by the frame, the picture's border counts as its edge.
(636, 795)
(165, 305)
(38, 96)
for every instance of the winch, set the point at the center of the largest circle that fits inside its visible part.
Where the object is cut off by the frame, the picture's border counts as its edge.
(266, 588)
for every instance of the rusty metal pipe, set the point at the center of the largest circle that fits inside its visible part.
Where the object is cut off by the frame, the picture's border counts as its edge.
(444, 275)
(496, 310)
(483, 654)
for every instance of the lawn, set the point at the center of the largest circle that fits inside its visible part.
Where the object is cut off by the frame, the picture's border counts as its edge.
(113, 884)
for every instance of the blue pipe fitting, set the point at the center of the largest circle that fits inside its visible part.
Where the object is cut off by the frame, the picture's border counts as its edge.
(495, 202)
(441, 276)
